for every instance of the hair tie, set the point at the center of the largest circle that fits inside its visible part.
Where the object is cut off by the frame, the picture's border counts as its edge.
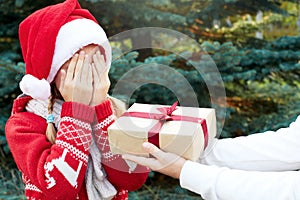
(50, 118)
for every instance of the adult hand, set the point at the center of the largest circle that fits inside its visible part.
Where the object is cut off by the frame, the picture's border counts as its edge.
(101, 82)
(77, 82)
(167, 163)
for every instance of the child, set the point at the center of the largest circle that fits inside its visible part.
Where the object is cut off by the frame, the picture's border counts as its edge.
(57, 132)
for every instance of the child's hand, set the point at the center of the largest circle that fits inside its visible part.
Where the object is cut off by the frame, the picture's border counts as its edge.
(78, 80)
(101, 82)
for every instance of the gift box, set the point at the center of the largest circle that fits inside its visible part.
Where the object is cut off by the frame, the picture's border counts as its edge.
(184, 131)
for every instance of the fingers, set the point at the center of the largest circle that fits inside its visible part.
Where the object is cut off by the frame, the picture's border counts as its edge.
(96, 77)
(71, 68)
(86, 73)
(96, 68)
(79, 65)
(80, 61)
(91, 53)
(104, 70)
(100, 72)
(89, 76)
(154, 163)
(99, 61)
(148, 162)
(149, 148)
(75, 66)
(79, 81)
(153, 150)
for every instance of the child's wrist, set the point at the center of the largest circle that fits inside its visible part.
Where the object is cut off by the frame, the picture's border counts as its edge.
(103, 110)
(78, 111)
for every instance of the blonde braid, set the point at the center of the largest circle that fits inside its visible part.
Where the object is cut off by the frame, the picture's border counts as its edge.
(51, 132)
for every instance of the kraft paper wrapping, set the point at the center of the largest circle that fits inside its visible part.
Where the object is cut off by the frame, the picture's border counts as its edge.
(183, 138)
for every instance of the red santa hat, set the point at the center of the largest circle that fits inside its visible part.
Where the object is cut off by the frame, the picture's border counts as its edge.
(51, 36)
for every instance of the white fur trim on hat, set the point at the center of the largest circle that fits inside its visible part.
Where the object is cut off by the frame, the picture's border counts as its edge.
(37, 89)
(74, 35)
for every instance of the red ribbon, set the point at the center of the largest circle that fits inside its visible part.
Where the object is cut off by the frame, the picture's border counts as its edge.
(167, 115)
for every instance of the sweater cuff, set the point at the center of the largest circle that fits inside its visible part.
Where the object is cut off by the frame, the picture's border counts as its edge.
(103, 110)
(78, 111)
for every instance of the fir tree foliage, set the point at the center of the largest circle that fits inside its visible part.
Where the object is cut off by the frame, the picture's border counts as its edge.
(10, 75)
(238, 68)
(261, 76)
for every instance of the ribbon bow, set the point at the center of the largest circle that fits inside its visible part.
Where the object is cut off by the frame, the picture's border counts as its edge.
(168, 110)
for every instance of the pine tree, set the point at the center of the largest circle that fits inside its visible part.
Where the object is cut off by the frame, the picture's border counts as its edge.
(10, 75)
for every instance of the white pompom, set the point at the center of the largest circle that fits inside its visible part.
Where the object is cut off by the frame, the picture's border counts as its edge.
(37, 89)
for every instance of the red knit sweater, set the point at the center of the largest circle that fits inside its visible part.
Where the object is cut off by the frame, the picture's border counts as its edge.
(57, 171)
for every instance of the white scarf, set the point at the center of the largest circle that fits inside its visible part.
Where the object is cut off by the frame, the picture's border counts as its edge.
(97, 185)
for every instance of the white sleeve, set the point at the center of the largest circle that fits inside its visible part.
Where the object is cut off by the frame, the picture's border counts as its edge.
(216, 183)
(269, 151)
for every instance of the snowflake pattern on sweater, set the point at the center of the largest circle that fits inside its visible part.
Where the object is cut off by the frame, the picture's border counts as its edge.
(57, 171)
(73, 139)
(47, 168)
(114, 165)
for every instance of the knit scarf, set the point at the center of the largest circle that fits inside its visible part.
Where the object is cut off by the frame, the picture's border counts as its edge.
(97, 185)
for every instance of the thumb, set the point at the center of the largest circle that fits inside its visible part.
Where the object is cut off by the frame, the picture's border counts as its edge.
(153, 150)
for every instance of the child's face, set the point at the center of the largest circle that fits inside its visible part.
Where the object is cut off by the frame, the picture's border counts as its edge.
(89, 49)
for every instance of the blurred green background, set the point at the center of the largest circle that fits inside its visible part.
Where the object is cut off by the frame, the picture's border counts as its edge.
(254, 43)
